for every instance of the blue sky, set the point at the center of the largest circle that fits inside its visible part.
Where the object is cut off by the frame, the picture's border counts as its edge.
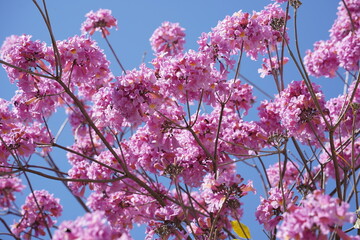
(137, 20)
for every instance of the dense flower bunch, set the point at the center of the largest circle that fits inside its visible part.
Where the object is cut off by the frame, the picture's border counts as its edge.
(300, 115)
(182, 76)
(85, 66)
(90, 226)
(254, 33)
(343, 24)
(270, 211)
(100, 20)
(161, 145)
(295, 110)
(281, 174)
(335, 107)
(37, 95)
(343, 47)
(24, 53)
(38, 214)
(323, 61)
(224, 192)
(315, 218)
(347, 156)
(168, 39)
(129, 101)
(9, 185)
(18, 137)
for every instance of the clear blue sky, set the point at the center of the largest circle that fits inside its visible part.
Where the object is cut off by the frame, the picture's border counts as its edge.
(137, 20)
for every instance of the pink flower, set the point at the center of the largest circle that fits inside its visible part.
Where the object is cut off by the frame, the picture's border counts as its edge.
(322, 61)
(124, 207)
(270, 119)
(127, 102)
(37, 96)
(231, 35)
(8, 186)
(85, 66)
(90, 226)
(221, 197)
(272, 19)
(35, 219)
(159, 148)
(270, 211)
(335, 107)
(343, 25)
(349, 51)
(23, 139)
(78, 171)
(240, 96)
(252, 33)
(22, 52)
(165, 223)
(8, 122)
(317, 216)
(185, 76)
(346, 156)
(36, 103)
(299, 114)
(99, 21)
(168, 39)
(98, 172)
(290, 174)
(240, 137)
(223, 193)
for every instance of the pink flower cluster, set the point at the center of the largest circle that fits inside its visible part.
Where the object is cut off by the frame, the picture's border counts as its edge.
(243, 31)
(224, 192)
(100, 20)
(289, 174)
(343, 47)
(219, 198)
(38, 213)
(161, 148)
(186, 75)
(127, 102)
(168, 39)
(85, 67)
(17, 136)
(270, 120)
(241, 138)
(24, 53)
(37, 96)
(300, 115)
(343, 24)
(296, 111)
(239, 96)
(346, 154)
(90, 226)
(165, 223)
(271, 209)
(9, 185)
(125, 204)
(336, 110)
(323, 61)
(316, 217)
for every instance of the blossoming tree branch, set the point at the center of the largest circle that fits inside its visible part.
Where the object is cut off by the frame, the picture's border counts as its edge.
(159, 145)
